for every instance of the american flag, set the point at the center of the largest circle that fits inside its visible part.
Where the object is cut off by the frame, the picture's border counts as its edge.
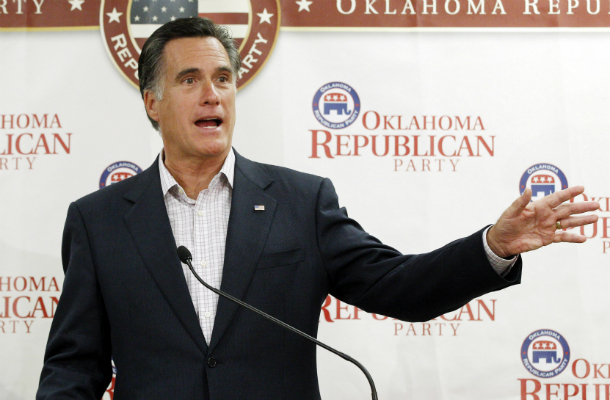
(148, 15)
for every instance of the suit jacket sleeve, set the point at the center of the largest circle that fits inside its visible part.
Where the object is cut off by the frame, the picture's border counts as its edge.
(77, 361)
(377, 278)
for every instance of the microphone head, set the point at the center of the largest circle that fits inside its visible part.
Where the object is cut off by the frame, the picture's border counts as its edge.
(184, 254)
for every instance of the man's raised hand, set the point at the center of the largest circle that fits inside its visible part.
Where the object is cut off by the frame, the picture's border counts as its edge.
(526, 226)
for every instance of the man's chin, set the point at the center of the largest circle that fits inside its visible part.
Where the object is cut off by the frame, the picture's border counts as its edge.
(214, 150)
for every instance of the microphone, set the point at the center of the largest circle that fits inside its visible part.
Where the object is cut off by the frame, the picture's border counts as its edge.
(185, 256)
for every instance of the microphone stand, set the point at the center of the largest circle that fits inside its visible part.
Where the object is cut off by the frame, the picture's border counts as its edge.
(185, 256)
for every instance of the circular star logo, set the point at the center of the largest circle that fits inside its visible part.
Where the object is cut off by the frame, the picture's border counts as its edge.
(126, 24)
(545, 353)
(117, 172)
(336, 105)
(543, 179)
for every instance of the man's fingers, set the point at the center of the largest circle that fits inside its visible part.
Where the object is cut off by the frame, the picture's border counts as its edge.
(519, 205)
(574, 222)
(557, 198)
(568, 237)
(565, 210)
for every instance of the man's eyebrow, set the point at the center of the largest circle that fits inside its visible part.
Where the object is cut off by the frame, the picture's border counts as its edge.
(224, 68)
(186, 72)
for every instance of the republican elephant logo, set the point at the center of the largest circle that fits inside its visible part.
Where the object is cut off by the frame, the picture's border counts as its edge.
(543, 179)
(336, 102)
(546, 350)
(545, 353)
(543, 185)
(118, 171)
(336, 105)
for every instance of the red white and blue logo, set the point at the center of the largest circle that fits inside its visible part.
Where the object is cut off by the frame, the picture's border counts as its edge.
(545, 353)
(117, 172)
(336, 105)
(126, 24)
(543, 179)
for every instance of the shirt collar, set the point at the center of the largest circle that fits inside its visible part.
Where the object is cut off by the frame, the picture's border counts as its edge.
(168, 181)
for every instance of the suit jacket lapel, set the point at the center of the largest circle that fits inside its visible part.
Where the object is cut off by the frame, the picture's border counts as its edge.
(149, 226)
(246, 237)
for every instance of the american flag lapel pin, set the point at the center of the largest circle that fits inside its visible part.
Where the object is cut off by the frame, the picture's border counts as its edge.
(259, 207)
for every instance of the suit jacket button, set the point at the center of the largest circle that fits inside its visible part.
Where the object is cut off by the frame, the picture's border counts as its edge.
(211, 362)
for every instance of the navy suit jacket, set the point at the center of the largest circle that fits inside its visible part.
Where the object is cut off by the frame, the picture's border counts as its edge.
(125, 295)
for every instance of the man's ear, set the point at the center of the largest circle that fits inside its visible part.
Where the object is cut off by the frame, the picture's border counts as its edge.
(151, 104)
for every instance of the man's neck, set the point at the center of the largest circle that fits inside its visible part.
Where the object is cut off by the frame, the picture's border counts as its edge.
(194, 176)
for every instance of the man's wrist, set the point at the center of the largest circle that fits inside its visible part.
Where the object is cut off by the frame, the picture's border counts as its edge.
(500, 264)
(493, 243)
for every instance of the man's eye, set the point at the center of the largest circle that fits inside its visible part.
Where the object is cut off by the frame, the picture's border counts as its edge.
(223, 79)
(189, 81)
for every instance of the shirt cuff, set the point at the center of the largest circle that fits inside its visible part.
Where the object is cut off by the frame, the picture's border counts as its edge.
(501, 265)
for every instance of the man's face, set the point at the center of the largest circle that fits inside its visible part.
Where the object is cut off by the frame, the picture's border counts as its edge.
(197, 112)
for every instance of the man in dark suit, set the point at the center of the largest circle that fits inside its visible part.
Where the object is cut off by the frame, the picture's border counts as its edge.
(273, 237)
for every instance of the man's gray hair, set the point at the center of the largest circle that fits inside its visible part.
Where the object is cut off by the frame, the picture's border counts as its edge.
(151, 63)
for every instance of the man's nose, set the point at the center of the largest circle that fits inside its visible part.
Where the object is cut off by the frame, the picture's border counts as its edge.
(209, 94)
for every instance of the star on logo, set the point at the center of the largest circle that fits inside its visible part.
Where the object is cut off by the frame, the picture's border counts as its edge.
(76, 4)
(181, 9)
(163, 9)
(155, 18)
(304, 5)
(137, 18)
(145, 9)
(173, 18)
(114, 16)
(265, 16)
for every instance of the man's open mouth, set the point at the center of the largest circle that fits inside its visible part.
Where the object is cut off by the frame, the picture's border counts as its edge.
(208, 122)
